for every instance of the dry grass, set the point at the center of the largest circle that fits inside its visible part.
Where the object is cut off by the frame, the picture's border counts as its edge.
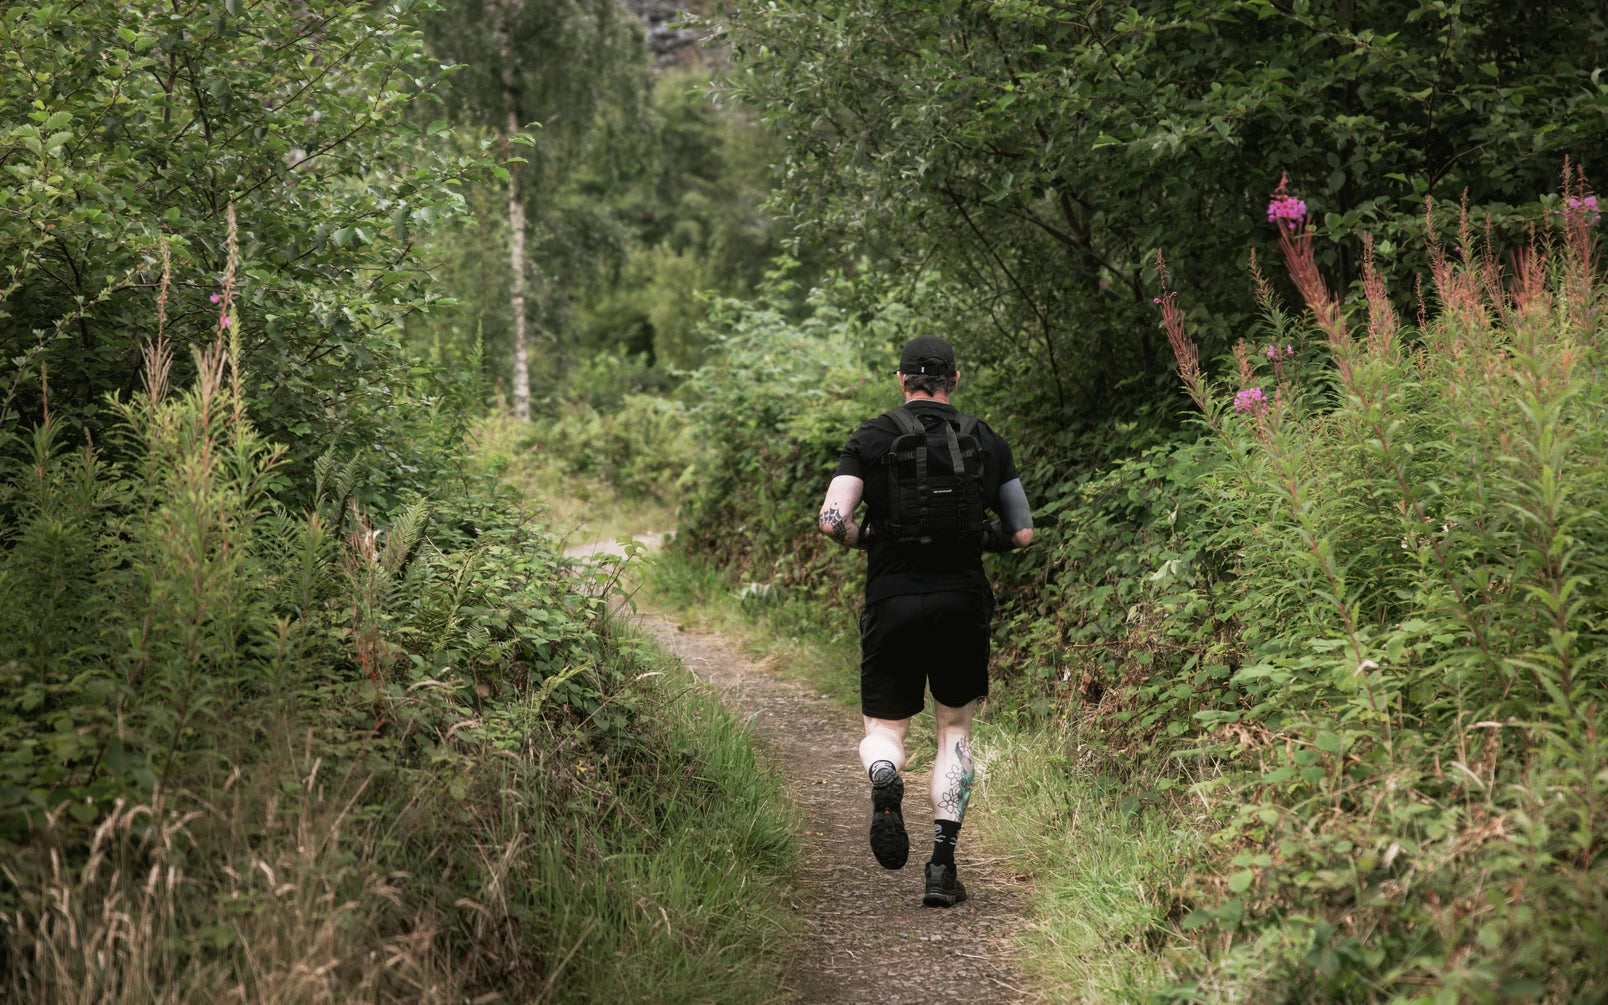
(272, 893)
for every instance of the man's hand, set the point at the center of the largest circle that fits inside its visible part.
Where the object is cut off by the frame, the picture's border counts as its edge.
(837, 512)
(995, 539)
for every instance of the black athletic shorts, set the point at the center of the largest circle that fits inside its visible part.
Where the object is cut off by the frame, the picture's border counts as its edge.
(911, 640)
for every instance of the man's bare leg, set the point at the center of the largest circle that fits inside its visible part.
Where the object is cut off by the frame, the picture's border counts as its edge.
(883, 754)
(952, 769)
(884, 741)
(953, 773)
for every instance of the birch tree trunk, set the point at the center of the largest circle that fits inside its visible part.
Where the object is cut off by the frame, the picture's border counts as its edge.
(509, 12)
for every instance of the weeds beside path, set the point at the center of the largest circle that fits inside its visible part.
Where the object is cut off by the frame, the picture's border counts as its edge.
(866, 934)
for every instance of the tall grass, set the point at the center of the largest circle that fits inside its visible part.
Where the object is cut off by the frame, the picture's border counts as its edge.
(579, 502)
(530, 875)
(1423, 675)
(250, 753)
(1102, 853)
(1332, 668)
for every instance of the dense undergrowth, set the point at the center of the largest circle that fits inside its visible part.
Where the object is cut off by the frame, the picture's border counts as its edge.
(260, 754)
(1330, 668)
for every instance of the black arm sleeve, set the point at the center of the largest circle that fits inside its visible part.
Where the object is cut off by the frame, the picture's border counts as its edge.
(1014, 513)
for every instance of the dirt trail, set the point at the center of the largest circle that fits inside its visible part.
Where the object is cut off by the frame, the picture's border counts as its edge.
(867, 936)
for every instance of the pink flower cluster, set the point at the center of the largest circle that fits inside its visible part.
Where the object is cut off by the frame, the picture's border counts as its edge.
(1581, 208)
(1273, 351)
(1251, 400)
(1286, 210)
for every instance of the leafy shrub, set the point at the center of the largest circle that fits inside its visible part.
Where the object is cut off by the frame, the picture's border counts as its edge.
(1362, 609)
(272, 755)
(1421, 621)
(133, 129)
(772, 415)
(642, 449)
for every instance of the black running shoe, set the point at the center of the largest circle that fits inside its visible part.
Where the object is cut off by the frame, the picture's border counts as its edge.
(889, 842)
(944, 888)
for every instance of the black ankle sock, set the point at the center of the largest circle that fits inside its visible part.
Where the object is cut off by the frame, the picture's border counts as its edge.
(878, 767)
(944, 835)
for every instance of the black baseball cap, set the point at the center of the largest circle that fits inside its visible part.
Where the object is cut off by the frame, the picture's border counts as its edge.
(926, 354)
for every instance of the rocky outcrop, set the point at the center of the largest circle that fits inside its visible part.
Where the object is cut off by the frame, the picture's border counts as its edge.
(674, 33)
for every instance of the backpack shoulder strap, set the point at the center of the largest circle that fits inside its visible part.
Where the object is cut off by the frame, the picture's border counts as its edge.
(906, 422)
(968, 425)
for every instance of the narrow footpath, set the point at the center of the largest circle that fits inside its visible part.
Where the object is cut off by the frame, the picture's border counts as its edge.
(868, 936)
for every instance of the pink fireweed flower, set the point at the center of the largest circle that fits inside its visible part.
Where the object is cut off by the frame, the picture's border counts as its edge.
(1251, 400)
(1272, 352)
(1286, 210)
(1583, 208)
(1289, 350)
(215, 298)
(223, 321)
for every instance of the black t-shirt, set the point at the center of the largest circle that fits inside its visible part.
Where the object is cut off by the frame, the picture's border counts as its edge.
(892, 569)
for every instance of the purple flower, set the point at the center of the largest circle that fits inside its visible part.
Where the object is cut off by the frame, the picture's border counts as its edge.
(1250, 400)
(1289, 350)
(223, 320)
(1584, 208)
(215, 298)
(1272, 353)
(1155, 300)
(1287, 209)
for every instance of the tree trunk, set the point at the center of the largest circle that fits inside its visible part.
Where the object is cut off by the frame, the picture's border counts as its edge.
(509, 11)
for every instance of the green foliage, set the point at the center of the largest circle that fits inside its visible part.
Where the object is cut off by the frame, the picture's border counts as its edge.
(652, 206)
(1364, 620)
(695, 225)
(296, 703)
(150, 600)
(1422, 625)
(772, 414)
(1039, 154)
(643, 449)
(502, 769)
(131, 129)
(1370, 606)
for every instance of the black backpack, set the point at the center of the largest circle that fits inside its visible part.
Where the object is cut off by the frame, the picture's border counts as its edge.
(935, 481)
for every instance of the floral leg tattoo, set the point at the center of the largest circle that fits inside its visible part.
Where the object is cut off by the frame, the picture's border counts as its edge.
(961, 774)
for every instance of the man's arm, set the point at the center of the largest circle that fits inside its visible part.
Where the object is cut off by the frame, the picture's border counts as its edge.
(837, 512)
(1015, 515)
(1014, 528)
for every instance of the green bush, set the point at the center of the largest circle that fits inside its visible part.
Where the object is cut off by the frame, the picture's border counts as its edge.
(772, 414)
(288, 756)
(1361, 610)
(133, 130)
(641, 449)
(1419, 603)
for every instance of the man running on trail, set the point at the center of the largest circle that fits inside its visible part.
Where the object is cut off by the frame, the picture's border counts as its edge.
(925, 473)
